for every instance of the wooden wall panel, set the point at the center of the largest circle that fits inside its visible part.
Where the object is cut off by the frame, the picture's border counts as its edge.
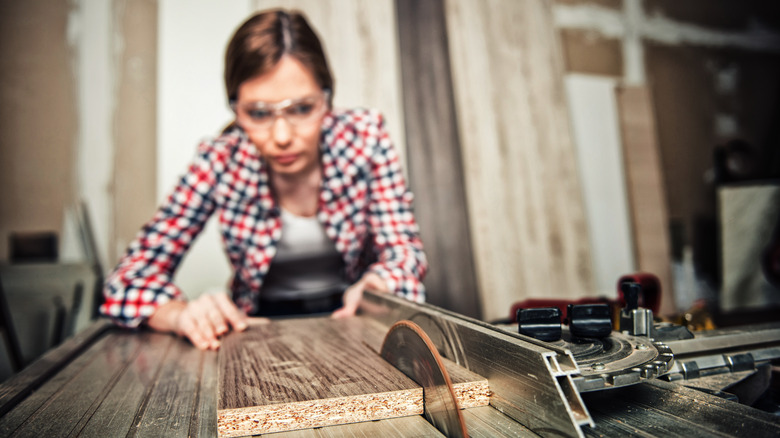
(592, 54)
(135, 129)
(434, 157)
(38, 118)
(526, 210)
(596, 128)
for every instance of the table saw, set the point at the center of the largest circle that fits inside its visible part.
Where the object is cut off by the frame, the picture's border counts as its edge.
(398, 369)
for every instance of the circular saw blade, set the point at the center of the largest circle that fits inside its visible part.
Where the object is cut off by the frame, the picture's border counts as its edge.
(409, 349)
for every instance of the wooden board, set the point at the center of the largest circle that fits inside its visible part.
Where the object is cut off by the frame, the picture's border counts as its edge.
(596, 127)
(107, 382)
(435, 169)
(471, 389)
(526, 212)
(314, 372)
(403, 427)
(646, 193)
(482, 422)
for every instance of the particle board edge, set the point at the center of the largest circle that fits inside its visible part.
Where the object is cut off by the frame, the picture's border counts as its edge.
(318, 413)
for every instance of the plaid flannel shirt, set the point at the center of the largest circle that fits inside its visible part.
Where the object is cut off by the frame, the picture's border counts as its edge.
(364, 203)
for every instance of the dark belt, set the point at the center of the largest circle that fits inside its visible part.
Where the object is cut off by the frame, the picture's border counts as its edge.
(305, 306)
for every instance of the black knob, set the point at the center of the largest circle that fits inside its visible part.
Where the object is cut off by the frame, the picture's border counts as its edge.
(631, 292)
(589, 320)
(542, 323)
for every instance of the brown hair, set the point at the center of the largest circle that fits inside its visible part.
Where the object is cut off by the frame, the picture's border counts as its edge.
(259, 44)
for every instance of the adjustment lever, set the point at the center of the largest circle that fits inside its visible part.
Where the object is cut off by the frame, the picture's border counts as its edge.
(543, 323)
(635, 320)
(589, 320)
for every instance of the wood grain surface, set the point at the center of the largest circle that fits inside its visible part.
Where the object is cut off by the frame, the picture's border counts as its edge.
(402, 427)
(657, 408)
(435, 169)
(303, 373)
(646, 192)
(109, 382)
(15, 389)
(526, 211)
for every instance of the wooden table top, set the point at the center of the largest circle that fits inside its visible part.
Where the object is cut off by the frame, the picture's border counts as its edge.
(107, 381)
(111, 382)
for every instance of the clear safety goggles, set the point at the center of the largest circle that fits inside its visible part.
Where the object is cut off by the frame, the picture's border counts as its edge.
(262, 115)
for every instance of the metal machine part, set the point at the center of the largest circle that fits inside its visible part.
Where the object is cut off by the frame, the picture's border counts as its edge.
(542, 323)
(409, 349)
(544, 385)
(589, 320)
(607, 358)
(725, 351)
(523, 372)
(634, 320)
(619, 360)
(612, 361)
(637, 322)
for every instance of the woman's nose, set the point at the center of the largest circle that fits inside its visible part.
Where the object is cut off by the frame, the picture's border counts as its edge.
(281, 131)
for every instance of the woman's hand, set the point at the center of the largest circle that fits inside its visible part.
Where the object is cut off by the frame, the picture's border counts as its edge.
(354, 294)
(202, 321)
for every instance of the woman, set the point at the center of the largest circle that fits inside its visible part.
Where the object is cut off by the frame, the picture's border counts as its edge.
(312, 205)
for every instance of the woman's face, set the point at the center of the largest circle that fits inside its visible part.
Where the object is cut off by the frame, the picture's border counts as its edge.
(282, 112)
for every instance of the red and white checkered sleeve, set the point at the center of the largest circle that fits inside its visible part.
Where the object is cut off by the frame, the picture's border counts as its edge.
(141, 282)
(401, 260)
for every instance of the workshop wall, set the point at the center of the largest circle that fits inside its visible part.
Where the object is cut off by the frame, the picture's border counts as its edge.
(38, 118)
(525, 204)
(702, 64)
(135, 122)
(706, 97)
(92, 108)
(78, 120)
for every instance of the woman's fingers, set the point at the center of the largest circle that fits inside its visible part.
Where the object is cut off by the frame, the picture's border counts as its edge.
(351, 299)
(201, 335)
(202, 321)
(257, 320)
(212, 316)
(343, 312)
(215, 318)
(230, 312)
(354, 294)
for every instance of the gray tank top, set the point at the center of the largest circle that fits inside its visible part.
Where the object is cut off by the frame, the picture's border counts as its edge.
(306, 265)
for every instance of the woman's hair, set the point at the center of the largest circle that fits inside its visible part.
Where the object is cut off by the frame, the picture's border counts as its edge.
(259, 44)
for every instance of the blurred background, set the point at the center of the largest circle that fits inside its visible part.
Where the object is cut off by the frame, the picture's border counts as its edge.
(552, 145)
